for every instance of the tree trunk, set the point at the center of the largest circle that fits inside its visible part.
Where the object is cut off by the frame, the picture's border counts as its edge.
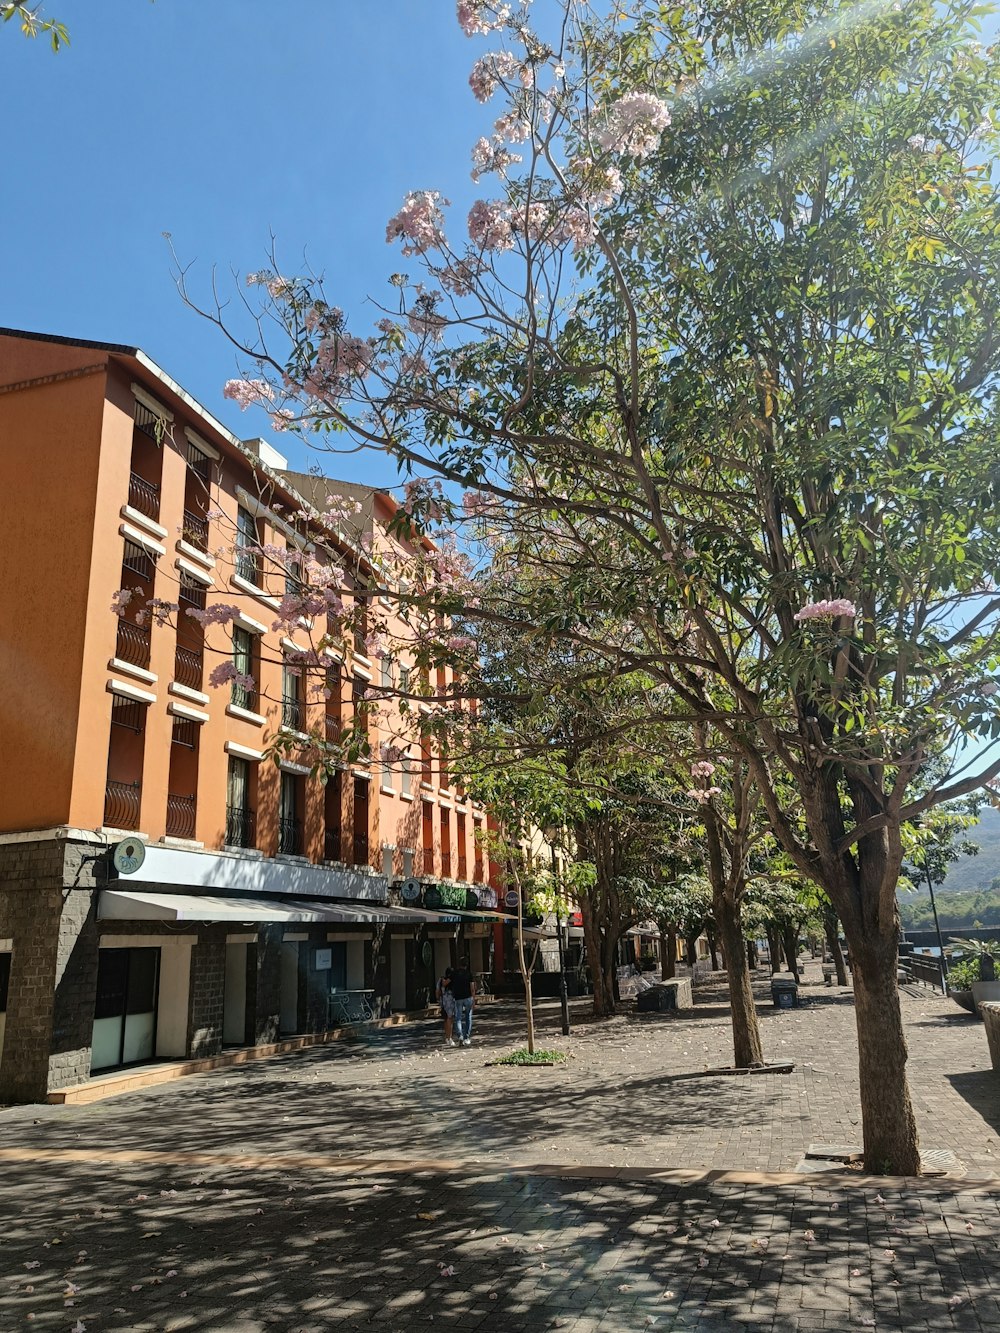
(529, 1011)
(747, 1047)
(713, 953)
(774, 949)
(831, 927)
(753, 962)
(890, 1130)
(790, 938)
(668, 954)
(692, 950)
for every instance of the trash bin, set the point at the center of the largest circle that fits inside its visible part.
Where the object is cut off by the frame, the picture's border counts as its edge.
(785, 992)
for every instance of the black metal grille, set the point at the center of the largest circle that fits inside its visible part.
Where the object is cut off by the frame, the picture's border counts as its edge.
(149, 422)
(137, 560)
(290, 837)
(199, 463)
(121, 804)
(132, 644)
(248, 566)
(128, 713)
(185, 733)
(144, 495)
(360, 847)
(291, 712)
(188, 666)
(241, 826)
(243, 696)
(191, 591)
(331, 843)
(195, 530)
(180, 816)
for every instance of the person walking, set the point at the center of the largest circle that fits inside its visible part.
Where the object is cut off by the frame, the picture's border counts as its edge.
(447, 1002)
(463, 990)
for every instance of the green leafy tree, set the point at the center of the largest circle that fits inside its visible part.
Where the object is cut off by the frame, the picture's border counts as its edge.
(31, 21)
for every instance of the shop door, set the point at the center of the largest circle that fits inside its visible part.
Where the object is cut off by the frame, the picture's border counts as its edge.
(289, 986)
(397, 972)
(125, 1011)
(234, 1018)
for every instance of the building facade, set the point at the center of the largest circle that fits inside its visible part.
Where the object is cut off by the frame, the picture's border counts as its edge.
(248, 900)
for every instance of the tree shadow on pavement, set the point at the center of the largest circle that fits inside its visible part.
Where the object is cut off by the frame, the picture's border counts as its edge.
(242, 1251)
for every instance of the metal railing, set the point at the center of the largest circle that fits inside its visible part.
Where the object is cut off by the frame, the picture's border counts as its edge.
(180, 816)
(132, 644)
(291, 712)
(144, 495)
(243, 696)
(189, 664)
(331, 844)
(194, 530)
(248, 566)
(241, 826)
(360, 849)
(121, 804)
(290, 837)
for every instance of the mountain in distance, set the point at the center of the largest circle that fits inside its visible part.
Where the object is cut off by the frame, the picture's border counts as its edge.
(971, 873)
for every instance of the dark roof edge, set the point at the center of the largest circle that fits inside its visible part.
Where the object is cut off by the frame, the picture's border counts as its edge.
(69, 342)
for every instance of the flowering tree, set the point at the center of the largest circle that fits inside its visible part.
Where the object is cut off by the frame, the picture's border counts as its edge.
(722, 349)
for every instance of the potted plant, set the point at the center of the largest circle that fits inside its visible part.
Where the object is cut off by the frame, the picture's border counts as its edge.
(983, 953)
(960, 978)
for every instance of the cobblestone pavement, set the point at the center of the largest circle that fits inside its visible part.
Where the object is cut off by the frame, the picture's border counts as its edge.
(264, 1198)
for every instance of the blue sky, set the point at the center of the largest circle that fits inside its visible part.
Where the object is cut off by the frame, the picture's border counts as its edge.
(221, 123)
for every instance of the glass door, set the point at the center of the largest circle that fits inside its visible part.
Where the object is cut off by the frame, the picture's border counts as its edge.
(125, 1009)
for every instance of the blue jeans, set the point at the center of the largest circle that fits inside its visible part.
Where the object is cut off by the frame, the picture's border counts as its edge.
(463, 1019)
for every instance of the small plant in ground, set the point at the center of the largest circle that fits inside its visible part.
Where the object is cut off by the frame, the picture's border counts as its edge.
(525, 1057)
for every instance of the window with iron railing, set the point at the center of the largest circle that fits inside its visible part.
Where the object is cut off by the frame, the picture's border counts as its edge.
(185, 733)
(149, 422)
(190, 591)
(199, 463)
(194, 530)
(243, 693)
(137, 560)
(247, 547)
(128, 713)
(132, 644)
(292, 707)
(181, 813)
(289, 823)
(241, 820)
(144, 496)
(189, 664)
(122, 801)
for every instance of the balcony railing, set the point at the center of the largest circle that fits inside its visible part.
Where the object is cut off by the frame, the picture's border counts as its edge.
(195, 530)
(144, 496)
(243, 696)
(360, 849)
(241, 826)
(180, 816)
(331, 844)
(291, 713)
(290, 837)
(121, 804)
(189, 665)
(132, 644)
(248, 567)
(445, 865)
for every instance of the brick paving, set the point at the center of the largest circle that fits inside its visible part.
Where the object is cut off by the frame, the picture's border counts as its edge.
(344, 1240)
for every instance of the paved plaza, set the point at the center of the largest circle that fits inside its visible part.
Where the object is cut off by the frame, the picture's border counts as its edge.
(391, 1183)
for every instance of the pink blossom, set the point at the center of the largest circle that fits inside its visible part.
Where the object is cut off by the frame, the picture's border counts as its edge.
(491, 70)
(392, 754)
(121, 599)
(224, 672)
(827, 610)
(489, 225)
(342, 356)
(490, 157)
(419, 223)
(634, 124)
(475, 503)
(574, 225)
(248, 392)
(703, 794)
(512, 127)
(219, 613)
(703, 768)
(473, 20)
(282, 418)
(458, 643)
(598, 186)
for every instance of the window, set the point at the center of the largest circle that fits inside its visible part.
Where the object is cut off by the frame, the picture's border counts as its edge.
(247, 546)
(292, 709)
(125, 1008)
(289, 823)
(191, 591)
(244, 691)
(199, 463)
(240, 817)
(404, 680)
(386, 778)
(137, 560)
(387, 681)
(406, 777)
(360, 616)
(293, 584)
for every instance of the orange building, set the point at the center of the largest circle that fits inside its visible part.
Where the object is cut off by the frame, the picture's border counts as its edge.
(248, 901)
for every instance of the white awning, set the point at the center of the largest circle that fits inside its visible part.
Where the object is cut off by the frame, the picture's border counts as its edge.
(117, 905)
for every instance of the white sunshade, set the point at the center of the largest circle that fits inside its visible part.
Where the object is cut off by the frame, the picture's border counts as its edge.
(118, 905)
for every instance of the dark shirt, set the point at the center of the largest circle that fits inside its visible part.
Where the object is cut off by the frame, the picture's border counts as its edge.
(462, 983)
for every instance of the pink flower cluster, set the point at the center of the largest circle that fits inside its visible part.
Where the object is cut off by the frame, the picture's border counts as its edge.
(598, 186)
(490, 225)
(491, 70)
(424, 496)
(225, 672)
(419, 223)
(512, 127)
(474, 20)
(247, 392)
(703, 794)
(827, 610)
(219, 613)
(341, 357)
(703, 768)
(634, 124)
(490, 156)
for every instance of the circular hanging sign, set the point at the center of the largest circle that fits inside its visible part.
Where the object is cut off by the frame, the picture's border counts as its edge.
(128, 855)
(410, 891)
(427, 953)
(511, 898)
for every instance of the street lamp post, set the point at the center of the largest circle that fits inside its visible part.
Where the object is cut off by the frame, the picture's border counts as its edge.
(937, 927)
(563, 993)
